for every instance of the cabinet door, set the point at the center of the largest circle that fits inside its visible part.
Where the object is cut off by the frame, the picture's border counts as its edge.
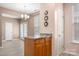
(39, 47)
(43, 47)
(48, 46)
(38, 50)
(28, 47)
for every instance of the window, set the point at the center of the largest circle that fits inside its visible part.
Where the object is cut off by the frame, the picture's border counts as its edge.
(23, 30)
(75, 22)
(36, 25)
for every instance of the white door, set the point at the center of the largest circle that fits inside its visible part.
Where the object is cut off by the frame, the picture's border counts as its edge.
(59, 35)
(8, 31)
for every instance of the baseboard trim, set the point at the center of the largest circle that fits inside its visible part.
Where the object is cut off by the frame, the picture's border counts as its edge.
(72, 53)
(1, 47)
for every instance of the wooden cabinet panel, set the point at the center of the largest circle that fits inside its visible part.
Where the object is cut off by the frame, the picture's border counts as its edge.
(48, 49)
(28, 47)
(38, 47)
(38, 50)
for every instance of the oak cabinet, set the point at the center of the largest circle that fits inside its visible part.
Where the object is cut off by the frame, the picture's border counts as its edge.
(38, 46)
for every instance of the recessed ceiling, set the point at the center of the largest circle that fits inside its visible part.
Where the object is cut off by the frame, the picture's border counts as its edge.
(22, 7)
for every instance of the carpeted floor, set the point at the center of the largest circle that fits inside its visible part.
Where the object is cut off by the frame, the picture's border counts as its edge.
(12, 48)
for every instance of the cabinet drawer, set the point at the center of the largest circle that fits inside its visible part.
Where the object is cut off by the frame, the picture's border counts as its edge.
(39, 41)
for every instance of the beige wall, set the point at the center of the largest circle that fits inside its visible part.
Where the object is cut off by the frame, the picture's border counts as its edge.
(0, 34)
(50, 8)
(69, 46)
(30, 26)
(6, 19)
(15, 27)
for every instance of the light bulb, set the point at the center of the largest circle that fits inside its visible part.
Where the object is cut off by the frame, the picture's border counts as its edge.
(22, 15)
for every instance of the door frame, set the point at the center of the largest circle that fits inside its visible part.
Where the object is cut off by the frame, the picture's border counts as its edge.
(57, 52)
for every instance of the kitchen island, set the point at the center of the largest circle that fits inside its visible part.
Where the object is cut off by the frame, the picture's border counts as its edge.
(39, 45)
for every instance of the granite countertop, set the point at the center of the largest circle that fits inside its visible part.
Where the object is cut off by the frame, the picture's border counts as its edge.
(39, 36)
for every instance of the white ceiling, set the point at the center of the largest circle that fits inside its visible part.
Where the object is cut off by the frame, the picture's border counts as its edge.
(22, 7)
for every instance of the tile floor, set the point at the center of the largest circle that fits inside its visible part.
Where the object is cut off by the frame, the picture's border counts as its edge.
(12, 48)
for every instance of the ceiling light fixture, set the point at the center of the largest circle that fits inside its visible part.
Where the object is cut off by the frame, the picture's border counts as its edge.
(24, 16)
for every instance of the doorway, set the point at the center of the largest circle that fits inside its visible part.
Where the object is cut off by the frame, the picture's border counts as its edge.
(8, 31)
(59, 31)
